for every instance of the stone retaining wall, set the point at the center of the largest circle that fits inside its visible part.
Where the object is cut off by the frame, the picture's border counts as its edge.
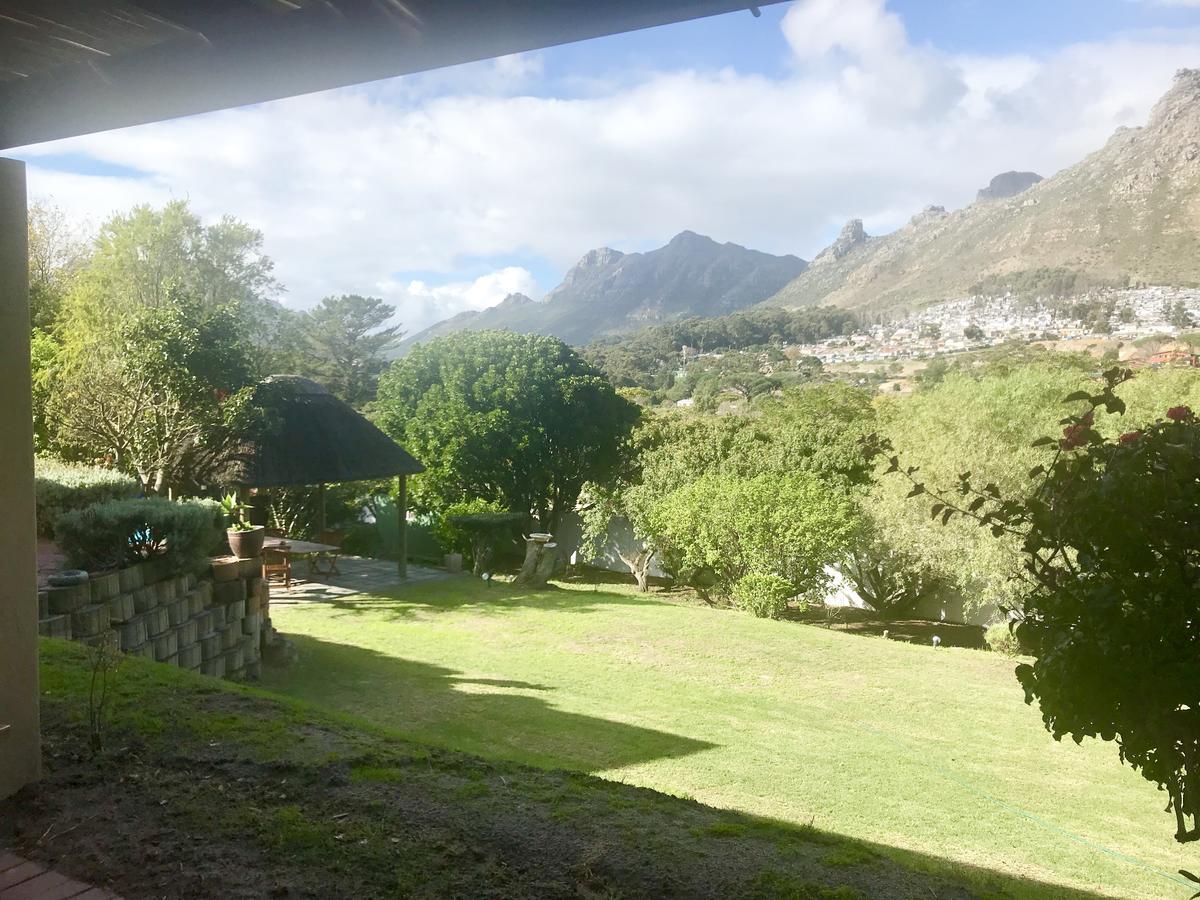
(213, 624)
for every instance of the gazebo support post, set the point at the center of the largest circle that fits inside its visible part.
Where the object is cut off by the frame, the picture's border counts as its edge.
(402, 523)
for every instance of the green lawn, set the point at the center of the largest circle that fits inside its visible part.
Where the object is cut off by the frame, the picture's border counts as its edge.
(931, 752)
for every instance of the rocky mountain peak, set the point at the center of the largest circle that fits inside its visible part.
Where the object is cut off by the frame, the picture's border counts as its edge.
(1125, 213)
(610, 293)
(590, 267)
(598, 258)
(687, 240)
(514, 300)
(851, 235)
(1008, 184)
(1182, 100)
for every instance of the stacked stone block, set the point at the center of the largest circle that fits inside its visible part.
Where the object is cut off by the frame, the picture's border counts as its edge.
(213, 624)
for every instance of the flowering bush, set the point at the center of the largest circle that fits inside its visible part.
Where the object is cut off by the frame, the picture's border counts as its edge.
(1110, 537)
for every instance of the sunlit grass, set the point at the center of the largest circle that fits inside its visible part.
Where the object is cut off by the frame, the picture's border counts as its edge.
(932, 751)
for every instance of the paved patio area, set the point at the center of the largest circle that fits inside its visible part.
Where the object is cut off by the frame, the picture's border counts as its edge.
(21, 879)
(358, 575)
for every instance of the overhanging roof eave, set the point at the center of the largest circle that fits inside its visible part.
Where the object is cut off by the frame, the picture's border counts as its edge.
(203, 71)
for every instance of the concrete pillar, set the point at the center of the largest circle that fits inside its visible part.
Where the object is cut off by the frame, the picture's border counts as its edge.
(402, 516)
(20, 742)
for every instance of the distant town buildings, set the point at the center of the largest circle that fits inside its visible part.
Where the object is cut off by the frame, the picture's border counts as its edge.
(979, 322)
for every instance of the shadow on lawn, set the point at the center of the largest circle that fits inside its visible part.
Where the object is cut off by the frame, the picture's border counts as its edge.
(499, 598)
(984, 882)
(489, 718)
(485, 716)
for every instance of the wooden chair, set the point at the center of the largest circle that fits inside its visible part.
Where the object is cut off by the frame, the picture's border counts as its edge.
(277, 561)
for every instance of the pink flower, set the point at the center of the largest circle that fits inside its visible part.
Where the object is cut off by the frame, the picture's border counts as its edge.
(1129, 437)
(1179, 413)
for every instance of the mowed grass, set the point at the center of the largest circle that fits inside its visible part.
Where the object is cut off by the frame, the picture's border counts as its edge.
(930, 752)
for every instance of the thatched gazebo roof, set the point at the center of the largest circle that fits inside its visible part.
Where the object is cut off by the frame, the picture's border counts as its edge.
(309, 436)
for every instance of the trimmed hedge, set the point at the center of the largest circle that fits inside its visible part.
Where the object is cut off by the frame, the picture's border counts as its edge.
(63, 487)
(120, 532)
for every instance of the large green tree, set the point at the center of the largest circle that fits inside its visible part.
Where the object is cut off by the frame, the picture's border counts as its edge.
(719, 530)
(170, 382)
(348, 338)
(142, 258)
(965, 423)
(1110, 569)
(984, 423)
(815, 430)
(56, 255)
(515, 418)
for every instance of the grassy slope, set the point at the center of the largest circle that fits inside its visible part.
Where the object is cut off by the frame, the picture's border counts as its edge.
(207, 789)
(930, 751)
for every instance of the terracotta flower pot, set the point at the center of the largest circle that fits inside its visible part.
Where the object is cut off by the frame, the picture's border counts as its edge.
(247, 544)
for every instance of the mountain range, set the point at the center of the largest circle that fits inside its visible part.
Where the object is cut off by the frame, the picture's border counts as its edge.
(1131, 210)
(609, 292)
(1128, 212)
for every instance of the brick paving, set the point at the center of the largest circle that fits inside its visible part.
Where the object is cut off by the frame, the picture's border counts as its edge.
(358, 575)
(21, 879)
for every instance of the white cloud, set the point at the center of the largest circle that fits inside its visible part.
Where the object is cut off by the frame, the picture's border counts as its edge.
(354, 188)
(419, 304)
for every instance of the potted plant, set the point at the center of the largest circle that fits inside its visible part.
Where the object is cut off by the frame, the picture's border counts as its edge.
(245, 540)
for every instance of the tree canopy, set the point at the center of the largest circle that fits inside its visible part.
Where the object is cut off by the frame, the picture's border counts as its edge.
(347, 339)
(517, 419)
(142, 258)
(168, 381)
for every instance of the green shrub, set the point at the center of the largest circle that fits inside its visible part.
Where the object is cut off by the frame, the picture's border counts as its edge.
(718, 529)
(120, 532)
(766, 596)
(217, 544)
(449, 526)
(1000, 638)
(476, 529)
(62, 487)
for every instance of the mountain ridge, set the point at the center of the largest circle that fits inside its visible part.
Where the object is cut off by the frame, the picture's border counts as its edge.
(608, 292)
(1129, 210)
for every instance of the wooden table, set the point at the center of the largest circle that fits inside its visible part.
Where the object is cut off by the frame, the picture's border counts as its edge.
(322, 558)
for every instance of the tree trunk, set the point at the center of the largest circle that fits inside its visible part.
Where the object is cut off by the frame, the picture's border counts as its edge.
(540, 562)
(643, 583)
(639, 566)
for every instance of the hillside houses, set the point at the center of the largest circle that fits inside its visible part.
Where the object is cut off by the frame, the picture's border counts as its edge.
(978, 322)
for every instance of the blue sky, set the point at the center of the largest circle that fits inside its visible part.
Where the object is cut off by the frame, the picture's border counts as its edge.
(444, 191)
